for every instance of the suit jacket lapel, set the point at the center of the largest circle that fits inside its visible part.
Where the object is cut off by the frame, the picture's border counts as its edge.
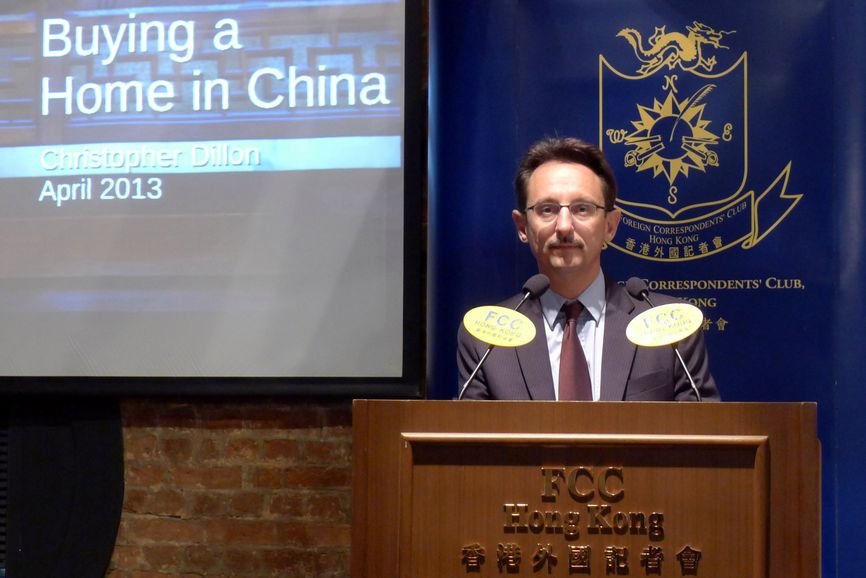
(534, 358)
(617, 352)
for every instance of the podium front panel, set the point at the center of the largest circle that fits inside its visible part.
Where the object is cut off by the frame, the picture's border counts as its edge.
(514, 489)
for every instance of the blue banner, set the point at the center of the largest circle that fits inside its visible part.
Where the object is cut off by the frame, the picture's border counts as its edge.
(719, 120)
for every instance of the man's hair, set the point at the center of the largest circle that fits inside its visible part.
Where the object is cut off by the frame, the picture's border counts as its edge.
(565, 150)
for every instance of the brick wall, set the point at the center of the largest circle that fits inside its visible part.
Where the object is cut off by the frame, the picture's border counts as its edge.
(235, 488)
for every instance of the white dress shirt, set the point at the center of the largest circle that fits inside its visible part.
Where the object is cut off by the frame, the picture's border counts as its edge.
(590, 330)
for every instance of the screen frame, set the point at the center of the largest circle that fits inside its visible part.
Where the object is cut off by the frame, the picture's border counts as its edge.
(411, 383)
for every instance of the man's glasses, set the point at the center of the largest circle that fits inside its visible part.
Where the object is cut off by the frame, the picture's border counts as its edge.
(581, 210)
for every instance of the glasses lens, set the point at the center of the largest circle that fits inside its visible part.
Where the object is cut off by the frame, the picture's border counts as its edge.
(582, 210)
(546, 211)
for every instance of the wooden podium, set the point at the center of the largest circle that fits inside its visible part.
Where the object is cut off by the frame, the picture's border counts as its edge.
(445, 489)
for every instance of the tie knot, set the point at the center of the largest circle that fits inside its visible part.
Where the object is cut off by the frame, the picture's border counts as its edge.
(572, 310)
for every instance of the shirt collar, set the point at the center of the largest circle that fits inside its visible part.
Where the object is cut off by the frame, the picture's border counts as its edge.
(592, 299)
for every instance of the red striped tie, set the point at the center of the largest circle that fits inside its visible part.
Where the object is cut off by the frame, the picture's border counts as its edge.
(574, 380)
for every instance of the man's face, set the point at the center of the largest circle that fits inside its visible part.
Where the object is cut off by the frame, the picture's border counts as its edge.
(567, 249)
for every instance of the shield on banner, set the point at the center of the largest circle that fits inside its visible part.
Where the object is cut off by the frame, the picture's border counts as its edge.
(674, 123)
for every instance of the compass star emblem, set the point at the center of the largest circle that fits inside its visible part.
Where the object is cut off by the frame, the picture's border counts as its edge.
(672, 137)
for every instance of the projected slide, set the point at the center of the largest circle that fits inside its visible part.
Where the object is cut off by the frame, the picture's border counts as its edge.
(194, 188)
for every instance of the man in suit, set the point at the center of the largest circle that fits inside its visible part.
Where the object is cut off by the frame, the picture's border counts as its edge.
(565, 212)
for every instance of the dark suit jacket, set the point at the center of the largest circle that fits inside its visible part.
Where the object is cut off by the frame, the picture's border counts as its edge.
(628, 372)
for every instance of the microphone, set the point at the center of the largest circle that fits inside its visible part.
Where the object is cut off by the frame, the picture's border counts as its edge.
(534, 288)
(638, 289)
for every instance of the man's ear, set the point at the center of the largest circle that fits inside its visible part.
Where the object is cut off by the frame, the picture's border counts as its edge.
(611, 223)
(519, 224)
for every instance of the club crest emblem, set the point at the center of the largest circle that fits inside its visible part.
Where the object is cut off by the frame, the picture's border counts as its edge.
(675, 127)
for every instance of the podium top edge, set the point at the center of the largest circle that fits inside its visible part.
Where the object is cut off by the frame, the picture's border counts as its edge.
(606, 403)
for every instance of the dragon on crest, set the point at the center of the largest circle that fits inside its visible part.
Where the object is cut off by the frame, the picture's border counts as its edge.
(673, 49)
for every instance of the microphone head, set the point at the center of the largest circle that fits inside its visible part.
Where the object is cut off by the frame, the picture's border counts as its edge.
(536, 285)
(637, 288)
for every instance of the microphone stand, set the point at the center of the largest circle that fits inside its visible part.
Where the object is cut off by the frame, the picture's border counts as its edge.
(490, 346)
(643, 293)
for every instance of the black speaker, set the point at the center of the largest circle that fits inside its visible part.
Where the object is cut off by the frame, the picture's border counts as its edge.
(64, 490)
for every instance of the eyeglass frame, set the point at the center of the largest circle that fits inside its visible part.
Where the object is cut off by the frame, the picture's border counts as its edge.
(568, 206)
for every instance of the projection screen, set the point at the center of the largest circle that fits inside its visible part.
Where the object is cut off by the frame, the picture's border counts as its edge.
(210, 196)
